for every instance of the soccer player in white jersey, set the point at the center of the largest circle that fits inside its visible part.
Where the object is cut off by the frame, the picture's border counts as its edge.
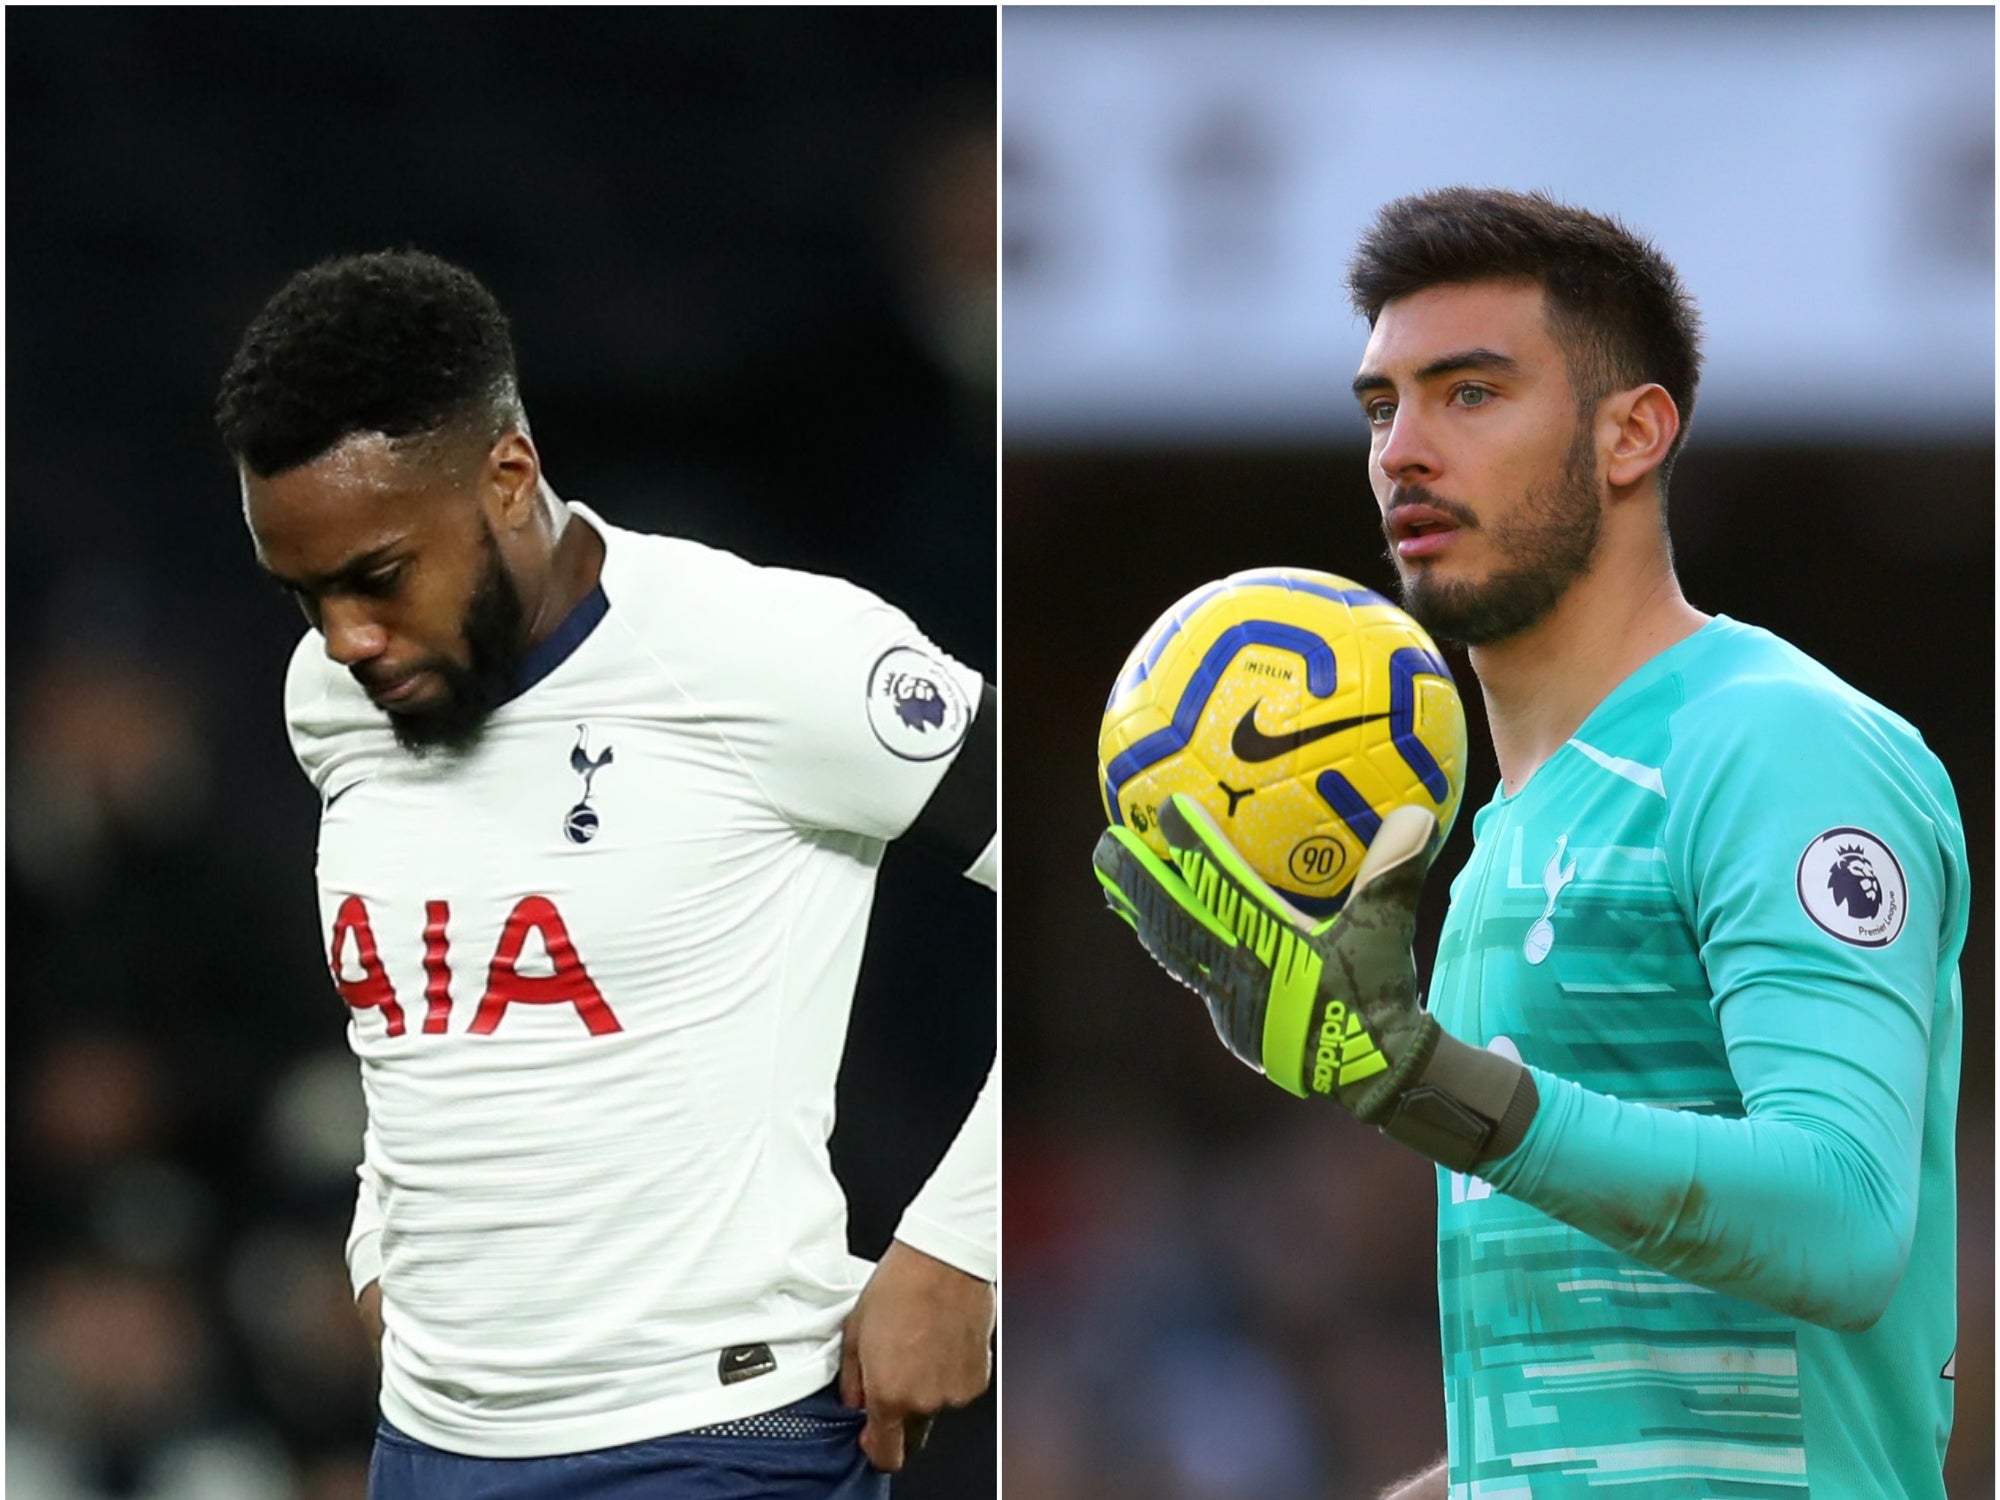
(602, 814)
(1689, 1068)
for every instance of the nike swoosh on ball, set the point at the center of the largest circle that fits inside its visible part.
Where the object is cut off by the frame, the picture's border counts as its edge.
(1251, 744)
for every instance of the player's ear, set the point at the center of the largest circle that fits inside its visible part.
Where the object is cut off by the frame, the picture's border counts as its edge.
(511, 480)
(1644, 423)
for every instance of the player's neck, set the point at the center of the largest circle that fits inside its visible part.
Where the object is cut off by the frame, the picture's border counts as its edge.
(576, 557)
(1542, 684)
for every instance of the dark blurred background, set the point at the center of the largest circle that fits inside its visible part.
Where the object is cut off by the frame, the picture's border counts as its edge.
(1214, 1292)
(749, 256)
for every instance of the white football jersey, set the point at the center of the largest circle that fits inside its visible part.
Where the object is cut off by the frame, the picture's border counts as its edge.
(600, 970)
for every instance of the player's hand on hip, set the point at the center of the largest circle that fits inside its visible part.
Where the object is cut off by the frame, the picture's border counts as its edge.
(1328, 1009)
(920, 1339)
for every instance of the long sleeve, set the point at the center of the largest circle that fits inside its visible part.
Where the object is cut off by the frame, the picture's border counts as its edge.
(955, 1216)
(1808, 1204)
(364, 1238)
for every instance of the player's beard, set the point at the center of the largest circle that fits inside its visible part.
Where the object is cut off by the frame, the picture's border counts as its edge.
(1544, 548)
(492, 633)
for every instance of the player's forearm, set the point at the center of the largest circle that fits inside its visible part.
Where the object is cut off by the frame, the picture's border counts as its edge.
(1431, 1484)
(955, 1218)
(1788, 1214)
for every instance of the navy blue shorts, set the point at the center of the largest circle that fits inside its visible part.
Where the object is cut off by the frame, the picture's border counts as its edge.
(810, 1450)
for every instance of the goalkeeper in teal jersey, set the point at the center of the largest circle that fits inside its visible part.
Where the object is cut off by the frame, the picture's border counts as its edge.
(1690, 1061)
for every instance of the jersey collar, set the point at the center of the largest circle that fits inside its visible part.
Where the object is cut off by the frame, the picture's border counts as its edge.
(560, 644)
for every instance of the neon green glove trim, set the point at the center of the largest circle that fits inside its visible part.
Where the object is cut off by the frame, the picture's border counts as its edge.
(1271, 930)
(1289, 1015)
(1169, 880)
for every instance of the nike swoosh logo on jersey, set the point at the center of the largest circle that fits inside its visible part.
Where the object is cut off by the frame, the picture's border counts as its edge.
(338, 795)
(745, 1362)
(1251, 744)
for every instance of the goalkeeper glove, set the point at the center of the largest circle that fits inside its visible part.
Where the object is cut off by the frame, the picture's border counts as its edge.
(1325, 1009)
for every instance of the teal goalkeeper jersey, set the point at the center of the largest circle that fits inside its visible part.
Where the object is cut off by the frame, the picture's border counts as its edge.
(1722, 926)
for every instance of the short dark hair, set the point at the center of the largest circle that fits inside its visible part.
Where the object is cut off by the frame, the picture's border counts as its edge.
(398, 342)
(1616, 306)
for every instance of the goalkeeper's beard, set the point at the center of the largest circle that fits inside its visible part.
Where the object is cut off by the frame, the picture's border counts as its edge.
(1545, 548)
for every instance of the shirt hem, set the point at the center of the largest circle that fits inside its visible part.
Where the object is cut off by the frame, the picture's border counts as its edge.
(803, 1369)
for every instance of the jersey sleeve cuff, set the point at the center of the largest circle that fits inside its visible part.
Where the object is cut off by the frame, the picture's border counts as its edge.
(1521, 1169)
(364, 1259)
(950, 1243)
(986, 869)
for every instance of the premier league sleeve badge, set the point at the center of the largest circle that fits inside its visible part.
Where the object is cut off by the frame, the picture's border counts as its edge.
(1852, 886)
(915, 705)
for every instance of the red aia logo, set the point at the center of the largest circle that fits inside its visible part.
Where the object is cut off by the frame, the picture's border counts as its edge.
(570, 984)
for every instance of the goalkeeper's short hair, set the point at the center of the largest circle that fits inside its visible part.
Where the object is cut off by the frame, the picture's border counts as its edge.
(1616, 305)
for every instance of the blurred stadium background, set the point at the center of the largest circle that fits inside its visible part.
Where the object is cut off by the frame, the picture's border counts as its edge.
(749, 256)
(1198, 1305)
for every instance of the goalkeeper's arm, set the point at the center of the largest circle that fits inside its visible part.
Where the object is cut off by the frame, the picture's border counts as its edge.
(1807, 1206)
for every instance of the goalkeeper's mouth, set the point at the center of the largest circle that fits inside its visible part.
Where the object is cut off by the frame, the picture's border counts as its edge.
(1417, 531)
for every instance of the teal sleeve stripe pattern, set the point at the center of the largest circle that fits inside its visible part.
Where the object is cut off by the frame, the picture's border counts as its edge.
(1795, 1215)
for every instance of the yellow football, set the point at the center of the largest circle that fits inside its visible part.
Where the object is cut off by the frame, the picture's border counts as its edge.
(1298, 707)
